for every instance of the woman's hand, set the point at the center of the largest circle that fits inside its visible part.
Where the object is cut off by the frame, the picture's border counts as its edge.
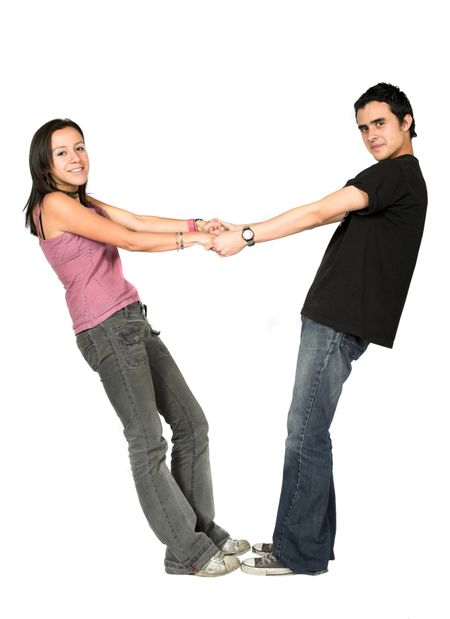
(216, 226)
(228, 243)
(204, 239)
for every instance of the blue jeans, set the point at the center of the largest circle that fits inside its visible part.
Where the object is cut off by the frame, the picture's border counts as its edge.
(142, 381)
(305, 528)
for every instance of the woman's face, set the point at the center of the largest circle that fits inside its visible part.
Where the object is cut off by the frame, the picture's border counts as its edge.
(70, 162)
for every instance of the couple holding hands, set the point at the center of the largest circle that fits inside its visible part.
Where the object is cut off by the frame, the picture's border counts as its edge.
(356, 298)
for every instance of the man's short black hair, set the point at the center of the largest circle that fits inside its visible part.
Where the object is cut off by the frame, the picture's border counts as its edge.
(394, 97)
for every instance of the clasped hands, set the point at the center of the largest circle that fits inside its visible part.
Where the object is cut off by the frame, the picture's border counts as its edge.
(225, 239)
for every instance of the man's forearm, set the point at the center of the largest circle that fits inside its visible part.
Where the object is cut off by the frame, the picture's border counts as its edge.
(291, 222)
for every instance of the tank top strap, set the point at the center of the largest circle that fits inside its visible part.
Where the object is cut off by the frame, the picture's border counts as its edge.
(38, 222)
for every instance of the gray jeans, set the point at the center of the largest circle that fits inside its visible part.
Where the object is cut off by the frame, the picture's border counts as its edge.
(141, 380)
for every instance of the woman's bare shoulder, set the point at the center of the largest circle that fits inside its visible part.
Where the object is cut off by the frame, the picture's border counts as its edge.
(57, 198)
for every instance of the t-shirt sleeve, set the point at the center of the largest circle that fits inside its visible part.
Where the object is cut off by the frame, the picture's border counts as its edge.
(383, 182)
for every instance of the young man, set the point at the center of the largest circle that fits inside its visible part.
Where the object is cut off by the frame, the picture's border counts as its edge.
(357, 297)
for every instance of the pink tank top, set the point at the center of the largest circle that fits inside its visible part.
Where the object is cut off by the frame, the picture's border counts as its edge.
(91, 273)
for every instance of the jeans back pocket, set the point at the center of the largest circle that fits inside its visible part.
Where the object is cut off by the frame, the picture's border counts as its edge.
(88, 349)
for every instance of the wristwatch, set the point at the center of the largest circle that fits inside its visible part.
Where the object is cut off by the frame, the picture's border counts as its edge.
(248, 235)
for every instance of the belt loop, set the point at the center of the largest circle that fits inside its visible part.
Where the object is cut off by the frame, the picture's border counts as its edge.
(143, 309)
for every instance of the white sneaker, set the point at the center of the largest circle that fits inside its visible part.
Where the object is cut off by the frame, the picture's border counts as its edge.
(266, 565)
(235, 547)
(219, 565)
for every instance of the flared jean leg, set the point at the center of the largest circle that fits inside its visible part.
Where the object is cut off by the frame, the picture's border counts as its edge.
(305, 527)
(190, 464)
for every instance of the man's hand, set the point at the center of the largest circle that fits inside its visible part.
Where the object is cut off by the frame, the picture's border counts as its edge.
(228, 243)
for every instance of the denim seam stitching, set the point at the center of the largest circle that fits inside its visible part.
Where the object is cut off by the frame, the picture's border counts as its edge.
(302, 440)
(206, 544)
(194, 450)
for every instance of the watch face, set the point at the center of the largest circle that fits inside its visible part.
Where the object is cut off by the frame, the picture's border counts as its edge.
(247, 234)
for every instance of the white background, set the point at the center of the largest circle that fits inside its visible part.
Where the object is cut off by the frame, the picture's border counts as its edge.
(237, 109)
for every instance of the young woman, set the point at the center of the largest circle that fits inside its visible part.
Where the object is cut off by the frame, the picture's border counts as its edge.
(79, 236)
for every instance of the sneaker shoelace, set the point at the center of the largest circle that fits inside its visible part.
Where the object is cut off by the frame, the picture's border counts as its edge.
(234, 543)
(268, 559)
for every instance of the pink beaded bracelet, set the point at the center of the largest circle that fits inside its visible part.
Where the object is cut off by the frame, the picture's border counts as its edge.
(191, 225)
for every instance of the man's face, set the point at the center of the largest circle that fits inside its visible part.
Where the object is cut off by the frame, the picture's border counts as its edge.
(384, 135)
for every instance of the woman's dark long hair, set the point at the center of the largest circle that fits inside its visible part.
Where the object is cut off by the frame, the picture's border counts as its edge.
(40, 165)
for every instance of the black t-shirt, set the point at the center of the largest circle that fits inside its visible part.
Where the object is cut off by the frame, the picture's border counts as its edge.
(364, 276)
